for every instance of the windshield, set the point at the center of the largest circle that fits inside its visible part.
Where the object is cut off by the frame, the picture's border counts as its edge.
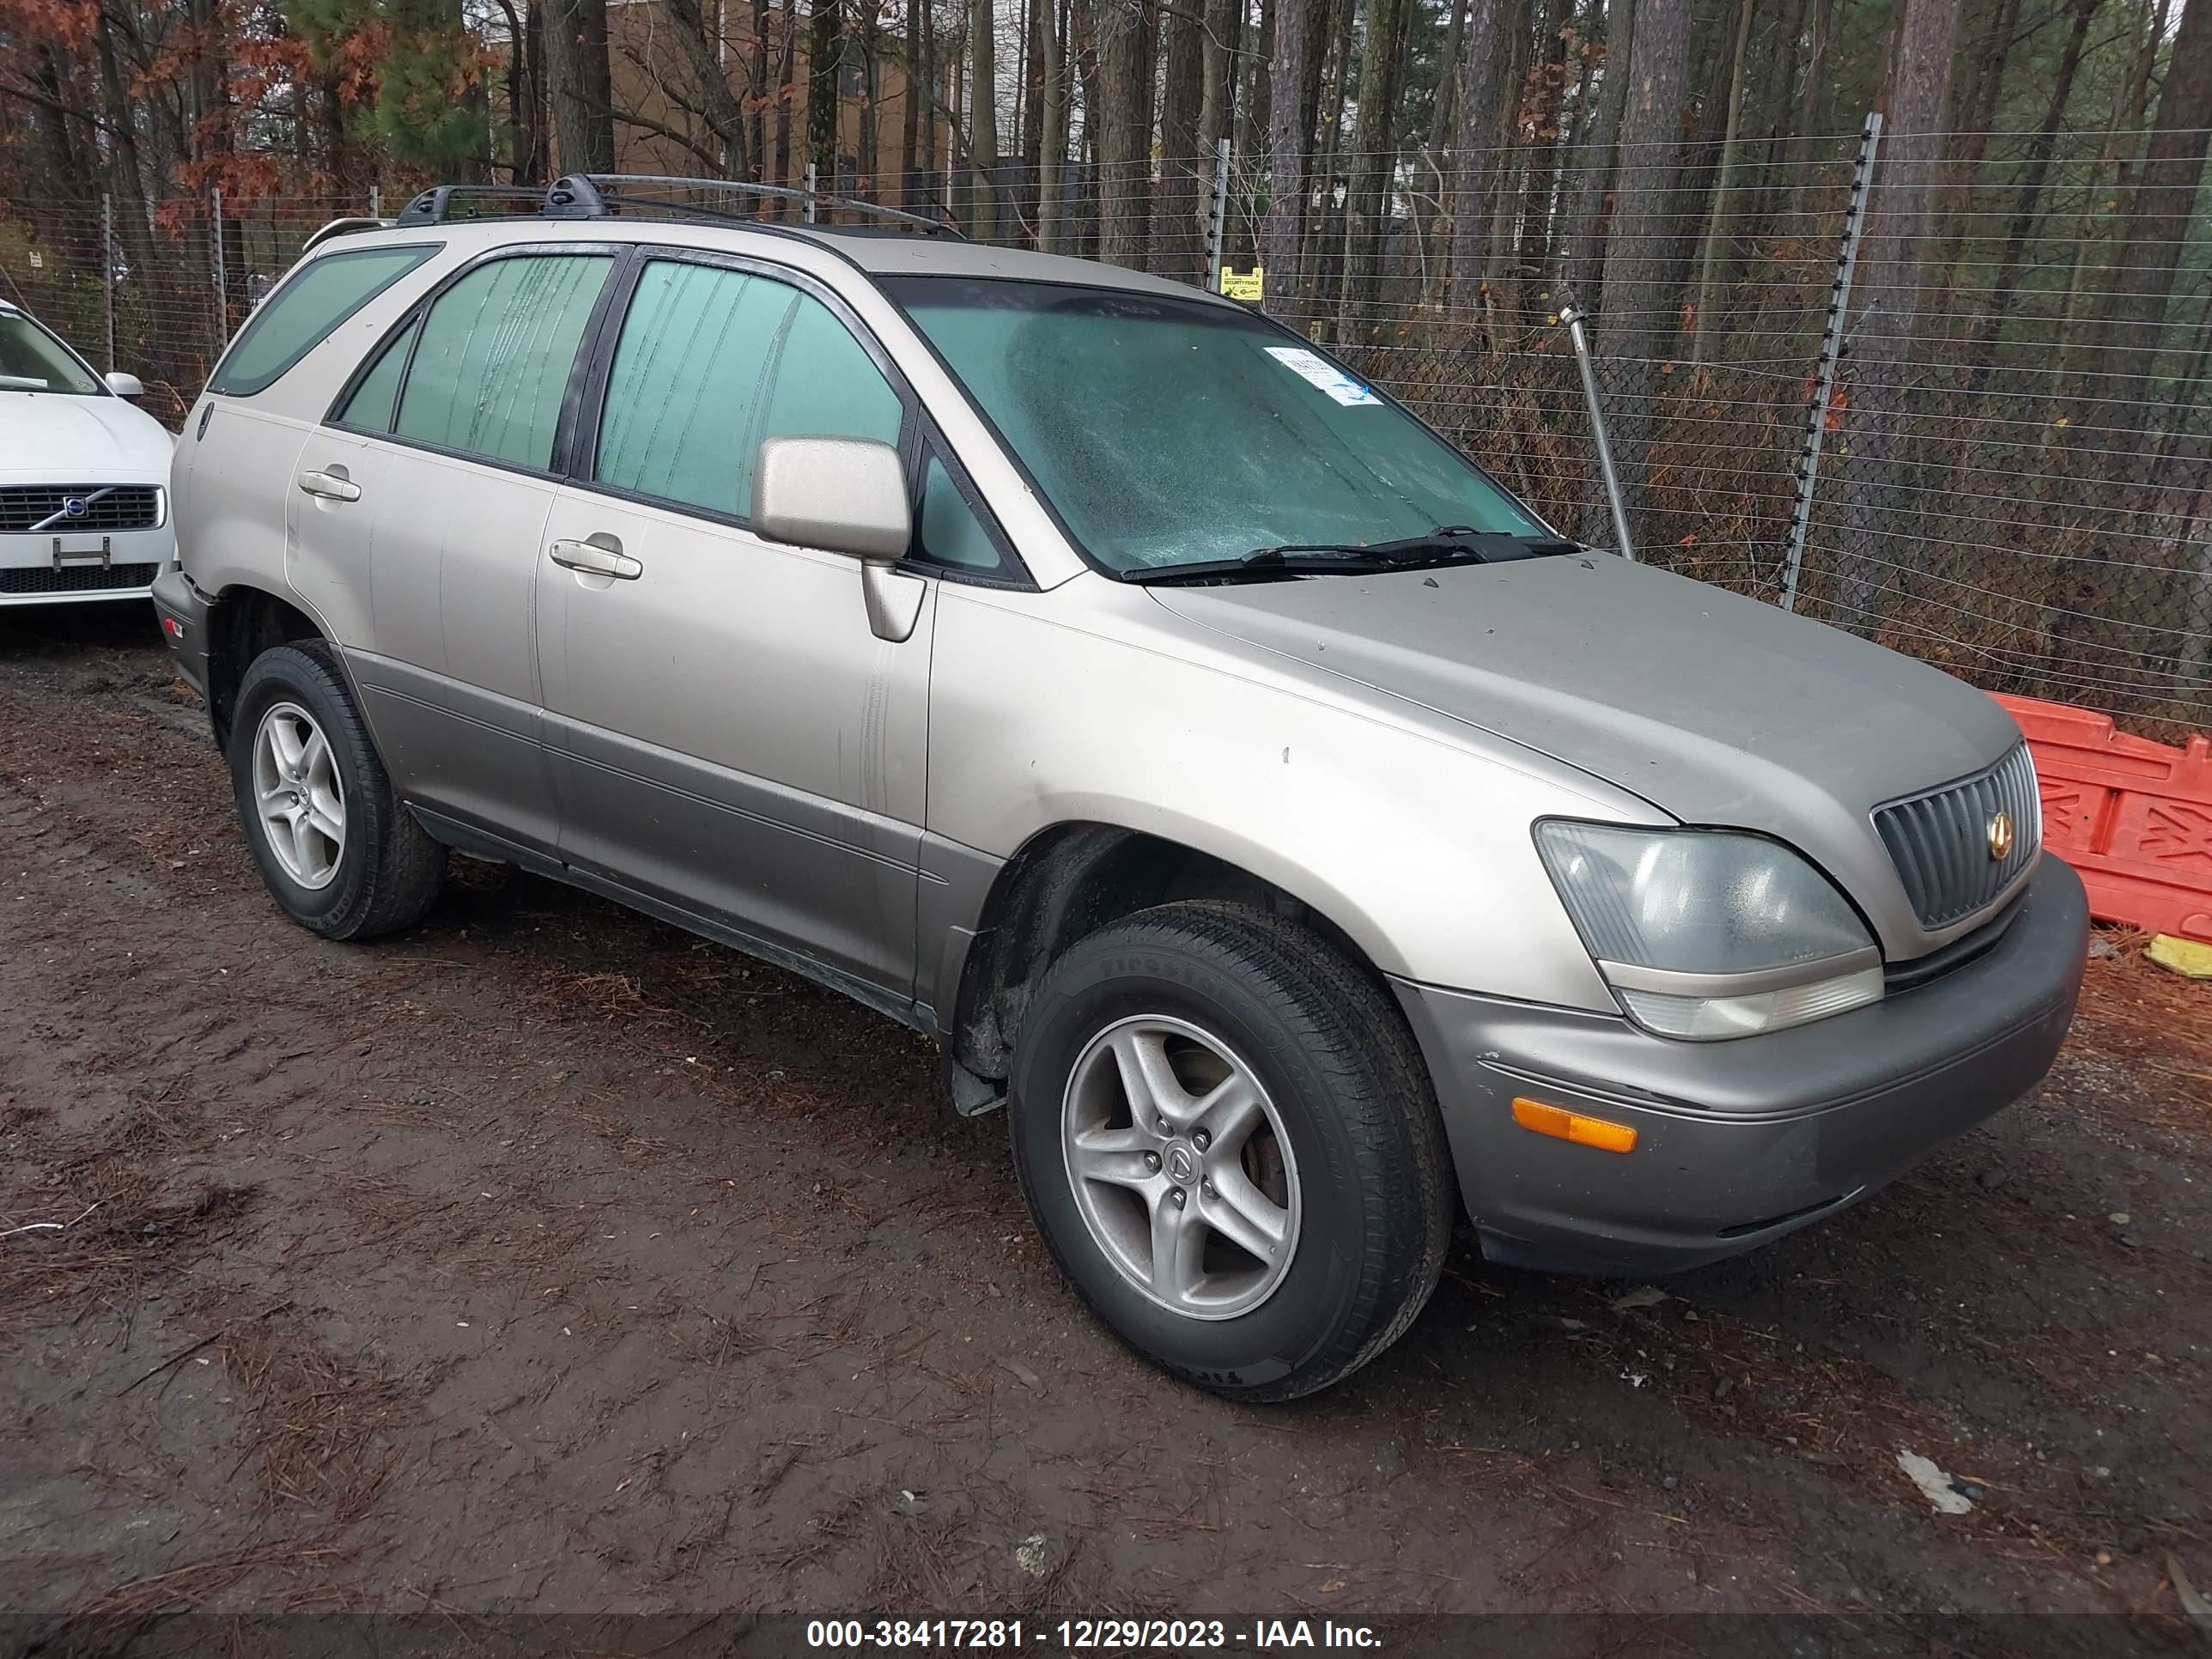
(1167, 431)
(31, 360)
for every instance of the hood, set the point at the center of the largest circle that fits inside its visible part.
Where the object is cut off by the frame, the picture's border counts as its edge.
(1716, 708)
(46, 436)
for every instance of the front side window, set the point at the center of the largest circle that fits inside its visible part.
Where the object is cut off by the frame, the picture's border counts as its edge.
(494, 357)
(299, 316)
(711, 362)
(1167, 431)
(31, 360)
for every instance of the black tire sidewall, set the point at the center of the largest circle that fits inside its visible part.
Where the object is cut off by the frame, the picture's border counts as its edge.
(1110, 978)
(290, 674)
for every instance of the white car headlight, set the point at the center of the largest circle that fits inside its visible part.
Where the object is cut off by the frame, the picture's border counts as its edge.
(1705, 935)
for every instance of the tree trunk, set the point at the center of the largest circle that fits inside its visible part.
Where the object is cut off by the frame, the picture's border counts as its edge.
(1480, 89)
(1369, 185)
(1052, 138)
(2005, 291)
(2130, 330)
(1889, 306)
(1717, 218)
(579, 82)
(1584, 240)
(786, 92)
(1297, 24)
(1122, 144)
(700, 41)
(1186, 175)
(1632, 311)
(983, 120)
(825, 55)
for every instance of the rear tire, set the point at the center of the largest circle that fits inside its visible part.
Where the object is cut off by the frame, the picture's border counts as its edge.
(1322, 1192)
(340, 854)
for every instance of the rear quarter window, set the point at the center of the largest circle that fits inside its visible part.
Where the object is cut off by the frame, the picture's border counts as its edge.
(300, 315)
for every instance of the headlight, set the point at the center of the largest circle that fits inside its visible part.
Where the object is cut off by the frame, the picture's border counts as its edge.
(1703, 933)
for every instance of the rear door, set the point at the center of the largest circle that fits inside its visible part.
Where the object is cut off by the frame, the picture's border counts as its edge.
(444, 453)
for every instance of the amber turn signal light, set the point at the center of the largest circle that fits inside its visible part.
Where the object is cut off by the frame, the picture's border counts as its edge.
(1563, 1125)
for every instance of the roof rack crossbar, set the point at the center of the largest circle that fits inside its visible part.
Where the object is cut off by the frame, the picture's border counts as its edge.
(435, 206)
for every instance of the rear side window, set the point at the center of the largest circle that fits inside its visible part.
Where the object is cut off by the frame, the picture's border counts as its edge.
(713, 361)
(377, 395)
(494, 357)
(300, 315)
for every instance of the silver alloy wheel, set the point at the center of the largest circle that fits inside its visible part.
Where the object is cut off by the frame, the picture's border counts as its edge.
(297, 793)
(1181, 1166)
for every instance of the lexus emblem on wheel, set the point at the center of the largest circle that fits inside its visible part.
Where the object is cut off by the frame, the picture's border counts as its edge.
(2000, 837)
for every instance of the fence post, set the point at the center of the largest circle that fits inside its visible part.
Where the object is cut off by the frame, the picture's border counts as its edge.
(221, 277)
(108, 274)
(1572, 317)
(1832, 349)
(376, 201)
(810, 192)
(1218, 222)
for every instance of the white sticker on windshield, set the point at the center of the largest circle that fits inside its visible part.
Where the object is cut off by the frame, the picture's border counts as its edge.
(1308, 366)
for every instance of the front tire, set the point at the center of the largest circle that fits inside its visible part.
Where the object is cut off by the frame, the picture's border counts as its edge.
(1229, 1141)
(339, 853)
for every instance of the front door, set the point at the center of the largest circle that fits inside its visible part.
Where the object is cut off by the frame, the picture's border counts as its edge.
(728, 737)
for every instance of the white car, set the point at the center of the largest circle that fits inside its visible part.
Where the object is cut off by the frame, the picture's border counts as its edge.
(84, 475)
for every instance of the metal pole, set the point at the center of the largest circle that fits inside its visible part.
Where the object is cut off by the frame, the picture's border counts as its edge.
(222, 278)
(1219, 221)
(1573, 319)
(108, 274)
(376, 201)
(1832, 349)
(810, 192)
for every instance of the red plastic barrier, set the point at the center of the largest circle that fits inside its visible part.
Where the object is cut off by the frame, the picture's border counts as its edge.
(2134, 818)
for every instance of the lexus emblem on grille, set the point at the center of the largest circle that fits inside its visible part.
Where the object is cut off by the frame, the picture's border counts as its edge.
(75, 507)
(2000, 837)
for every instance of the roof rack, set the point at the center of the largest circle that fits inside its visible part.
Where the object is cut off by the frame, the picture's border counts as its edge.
(345, 227)
(610, 195)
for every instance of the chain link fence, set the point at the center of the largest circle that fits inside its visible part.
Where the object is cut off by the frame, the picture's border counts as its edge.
(1946, 440)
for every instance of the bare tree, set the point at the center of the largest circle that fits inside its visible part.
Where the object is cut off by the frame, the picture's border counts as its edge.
(1477, 104)
(1297, 24)
(581, 84)
(1632, 306)
(1889, 290)
(1369, 179)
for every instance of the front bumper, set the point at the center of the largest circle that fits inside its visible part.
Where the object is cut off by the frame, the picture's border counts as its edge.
(114, 565)
(1737, 1142)
(182, 610)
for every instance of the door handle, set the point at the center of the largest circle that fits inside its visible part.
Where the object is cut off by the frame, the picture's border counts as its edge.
(594, 560)
(330, 486)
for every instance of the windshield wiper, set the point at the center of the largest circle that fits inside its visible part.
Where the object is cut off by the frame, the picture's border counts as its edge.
(1265, 564)
(1451, 543)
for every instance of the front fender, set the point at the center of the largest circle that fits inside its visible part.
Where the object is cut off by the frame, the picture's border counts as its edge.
(1417, 846)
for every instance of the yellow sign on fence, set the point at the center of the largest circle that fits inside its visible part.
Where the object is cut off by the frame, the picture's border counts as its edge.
(1246, 285)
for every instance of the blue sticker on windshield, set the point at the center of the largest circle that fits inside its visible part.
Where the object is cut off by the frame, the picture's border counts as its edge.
(1319, 371)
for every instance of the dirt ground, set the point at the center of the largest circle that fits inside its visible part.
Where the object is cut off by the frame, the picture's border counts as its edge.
(546, 1259)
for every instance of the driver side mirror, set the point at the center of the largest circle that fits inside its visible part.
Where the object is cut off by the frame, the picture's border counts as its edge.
(124, 386)
(844, 495)
(841, 495)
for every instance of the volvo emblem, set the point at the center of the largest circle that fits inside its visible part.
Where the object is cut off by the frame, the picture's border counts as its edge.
(2000, 837)
(75, 507)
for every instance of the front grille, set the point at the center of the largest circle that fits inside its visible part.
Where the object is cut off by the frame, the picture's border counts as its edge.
(1940, 842)
(45, 507)
(77, 578)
